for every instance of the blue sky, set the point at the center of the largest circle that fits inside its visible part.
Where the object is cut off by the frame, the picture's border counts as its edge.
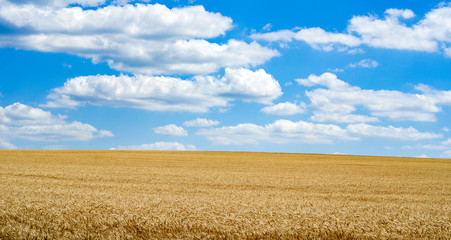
(349, 77)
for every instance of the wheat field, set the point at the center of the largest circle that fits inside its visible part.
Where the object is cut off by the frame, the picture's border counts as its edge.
(221, 195)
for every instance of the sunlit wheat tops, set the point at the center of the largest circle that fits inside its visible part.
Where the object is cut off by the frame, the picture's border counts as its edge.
(213, 195)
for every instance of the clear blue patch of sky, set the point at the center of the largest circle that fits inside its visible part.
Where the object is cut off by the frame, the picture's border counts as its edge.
(28, 77)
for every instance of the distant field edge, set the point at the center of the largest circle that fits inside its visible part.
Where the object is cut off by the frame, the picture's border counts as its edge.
(216, 152)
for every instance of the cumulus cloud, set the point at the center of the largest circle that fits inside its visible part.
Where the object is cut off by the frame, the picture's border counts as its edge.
(284, 109)
(426, 146)
(138, 38)
(168, 146)
(316, 37)
(74, 131)
(19, 121)
(399, 13)
(20, 114)
(145, 20)
(286, 131)
(166, 93)
(447, 142)
(446, 154)
(447, 52)
(392, 34)
(150, 57)
(365, 63)
(201, 122)
(335, 70)
(328, 80)
(171, 129)
(341, 117)
(6, 145)
(267, 27)
(60, 3)
(430, 34)
(338, 101)
(280, 131)
(399, 133)
(445, 146)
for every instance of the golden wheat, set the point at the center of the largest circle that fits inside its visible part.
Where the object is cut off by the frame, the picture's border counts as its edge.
(221, 195)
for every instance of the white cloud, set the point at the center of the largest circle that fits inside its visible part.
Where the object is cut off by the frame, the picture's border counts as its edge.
(19, 121)
(74, 131)
(447, 52)
(320, 39)
(150, 56)
(279, 132)
(5, 144)
(287, 84)
(339, 100)
(168, 146)
(338, 153)
(335, 70)
(281, 35)
(267, 27)
(445, 129)
(447, 142)
(365, 63)
(67, 65)
(397, 13)
(392, 34)
(341, 117)
(59, 3)
(427, 146)
(329, 80)
(201, 122)
(316, 37)
(141, 38)
(430, 34)
(422, 156)
(408, 134)
(286, 131)
(20, 114)
(167, 93)
(441, 97)
(284, 109)
(247, 85)
(446, 154)
(171, 129)
(147, 20)
(355, 51)
(444, 145)
(241, 134)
